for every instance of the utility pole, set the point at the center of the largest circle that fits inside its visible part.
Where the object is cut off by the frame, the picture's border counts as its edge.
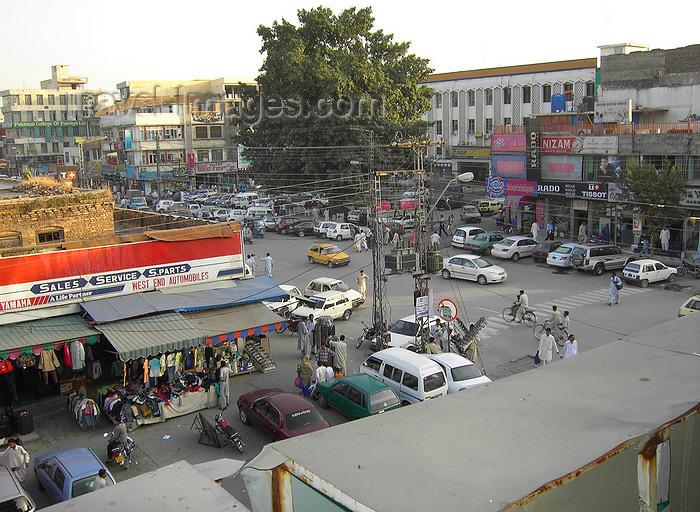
(158, 183)
(379, 299)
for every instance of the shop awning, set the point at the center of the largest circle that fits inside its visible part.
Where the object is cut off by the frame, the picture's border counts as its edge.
(512, 201)
(52, 332)
(185, 298)
(237, 322)
(150, 335)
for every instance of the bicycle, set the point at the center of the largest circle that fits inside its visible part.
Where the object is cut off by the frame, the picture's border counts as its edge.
(529, 317)
(560, 335)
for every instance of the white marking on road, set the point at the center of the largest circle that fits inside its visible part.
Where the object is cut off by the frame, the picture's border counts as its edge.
(487, 309)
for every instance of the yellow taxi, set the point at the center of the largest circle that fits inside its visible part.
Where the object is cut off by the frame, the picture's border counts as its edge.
(327, 254)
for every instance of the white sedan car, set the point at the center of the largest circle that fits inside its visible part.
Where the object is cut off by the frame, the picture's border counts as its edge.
(561, 255)
(288, 303)
(473, 268)
(514, 247)
(647, 271)
(461, 372)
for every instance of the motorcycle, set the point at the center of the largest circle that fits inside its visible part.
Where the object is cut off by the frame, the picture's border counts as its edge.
(232, 436)
(121, 453)
(292, 325)
(367, 334)
(689, 268)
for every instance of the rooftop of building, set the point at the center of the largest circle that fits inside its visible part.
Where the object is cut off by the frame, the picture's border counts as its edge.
(45, 188)
(541, 67)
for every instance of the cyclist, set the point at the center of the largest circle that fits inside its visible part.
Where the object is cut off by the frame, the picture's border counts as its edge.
(557, 323)
(522, 302)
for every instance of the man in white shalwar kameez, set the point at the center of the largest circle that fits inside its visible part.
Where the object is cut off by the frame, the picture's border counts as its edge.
(17, 459)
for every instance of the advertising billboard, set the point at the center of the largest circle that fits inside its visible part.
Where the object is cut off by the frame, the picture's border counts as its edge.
(508, 142)
(508, 166)
(562, 167)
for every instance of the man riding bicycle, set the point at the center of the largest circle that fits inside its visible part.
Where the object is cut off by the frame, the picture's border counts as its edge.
(522, 302)
(557, 323)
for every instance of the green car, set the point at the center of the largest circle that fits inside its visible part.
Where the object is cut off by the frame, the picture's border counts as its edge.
(356, 396)
(482, 243)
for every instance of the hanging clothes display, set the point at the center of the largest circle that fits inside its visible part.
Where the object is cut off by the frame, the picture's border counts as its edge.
(84, 410)
(77, 355)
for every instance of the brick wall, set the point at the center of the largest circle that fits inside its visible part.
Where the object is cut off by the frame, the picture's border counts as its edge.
(81, 216)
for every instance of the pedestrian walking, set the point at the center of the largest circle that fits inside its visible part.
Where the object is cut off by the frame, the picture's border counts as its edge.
(224, 374)
(17, 458)
(269, 263)
(311, 326)
(304, 340)
(363, 241)
(570, 347)
(550, 231)
(362, 282)
(547, 347)
(665, 237)
(435, 241)
(305, 372)
(615, 286)
(442, 226)
(358, 244)
(583, 233)
(450, 223)
(535, 230)
(340, 354)
(251, 264)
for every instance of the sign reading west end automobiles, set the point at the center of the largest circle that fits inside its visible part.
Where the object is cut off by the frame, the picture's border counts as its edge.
(67, 277)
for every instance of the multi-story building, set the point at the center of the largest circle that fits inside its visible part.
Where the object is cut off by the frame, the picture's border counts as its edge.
(42, 124)
(468, 105)
(164, 133)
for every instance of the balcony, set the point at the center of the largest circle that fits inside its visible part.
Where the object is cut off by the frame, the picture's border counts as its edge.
(604, 129)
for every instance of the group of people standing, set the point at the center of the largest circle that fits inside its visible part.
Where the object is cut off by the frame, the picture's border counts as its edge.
(253, 265)
(331, 358)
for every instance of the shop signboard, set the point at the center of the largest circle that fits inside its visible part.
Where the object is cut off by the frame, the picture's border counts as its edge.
(613, 111)
(127, 139)
(598, 145)
(473, 153)
(211, 167)
(557, 144)
(521, 188)
(577, 189)
(579, 204)
(422, 306)
(67, 277)
(691, 197)
(48, 124)
(562, 167)
(509, 142)
(533, 143)
(508, 166)
(495, 187)
(614, 192)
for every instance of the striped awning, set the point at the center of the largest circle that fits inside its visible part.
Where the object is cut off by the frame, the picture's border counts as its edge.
(151, 335)
(50, 333)
(512, 201)
(236, 322)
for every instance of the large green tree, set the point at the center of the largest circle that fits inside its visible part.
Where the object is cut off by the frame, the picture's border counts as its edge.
(325, 84)
(657, 193)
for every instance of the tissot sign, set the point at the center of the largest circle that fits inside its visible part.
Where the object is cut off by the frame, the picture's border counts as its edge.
(67, 277)
(578, 190)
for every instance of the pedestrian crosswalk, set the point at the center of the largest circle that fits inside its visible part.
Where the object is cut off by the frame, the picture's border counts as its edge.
(496, 323)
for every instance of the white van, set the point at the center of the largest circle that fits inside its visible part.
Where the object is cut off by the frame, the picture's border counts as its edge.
(244, 199)
(258, 212)
(412, 376)
(236, 214)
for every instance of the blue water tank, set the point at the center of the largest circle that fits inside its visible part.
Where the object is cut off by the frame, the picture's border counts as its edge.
(558, 103)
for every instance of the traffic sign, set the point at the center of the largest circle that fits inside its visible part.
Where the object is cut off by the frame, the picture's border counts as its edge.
(447, 310)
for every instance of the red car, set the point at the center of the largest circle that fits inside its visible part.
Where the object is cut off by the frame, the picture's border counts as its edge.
(280, 414)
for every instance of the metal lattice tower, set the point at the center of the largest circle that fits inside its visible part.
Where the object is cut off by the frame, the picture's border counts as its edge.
(379, 279)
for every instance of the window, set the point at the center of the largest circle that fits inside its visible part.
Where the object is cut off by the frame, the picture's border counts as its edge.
(64, 116)
(410, 381)
(471, 98)
(151, 157)
(40, 115)
(27, 99)
(50, 235)
(547, 93)
(471, 125)
(10, 239)
(455, 98)
(52, 116)
(215, 132)
(438, 151)
(506, 95)
(200, 132)
(455, 127)
(507, 121)
(73, 99)
(489, 125)
(52, 99)
(438, 127)
(30, 116)
(590, 88)
(217, 155)
(433, 382)
(569, 91)
(527, 94)
(62, 99)
(173, 132)
(438, 100)
(14, 99)
(44, 148)
(152, 133)
(488, 95)
(54, 147)
(202, 155)
(39, 99)
(356, 397)
(373, 363)
(340, 388)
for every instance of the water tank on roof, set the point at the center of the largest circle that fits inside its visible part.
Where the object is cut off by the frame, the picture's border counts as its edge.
(558, 103)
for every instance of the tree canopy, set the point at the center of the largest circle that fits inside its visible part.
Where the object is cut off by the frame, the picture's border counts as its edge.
(656, 192)
(324, 85)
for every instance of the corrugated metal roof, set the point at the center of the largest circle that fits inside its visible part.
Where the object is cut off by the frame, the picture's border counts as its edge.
(227, 293)
(24, 335)
(493, 445)
(151, 335)
(214, 322)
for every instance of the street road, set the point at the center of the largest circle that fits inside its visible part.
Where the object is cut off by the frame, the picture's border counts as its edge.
(504, 348)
